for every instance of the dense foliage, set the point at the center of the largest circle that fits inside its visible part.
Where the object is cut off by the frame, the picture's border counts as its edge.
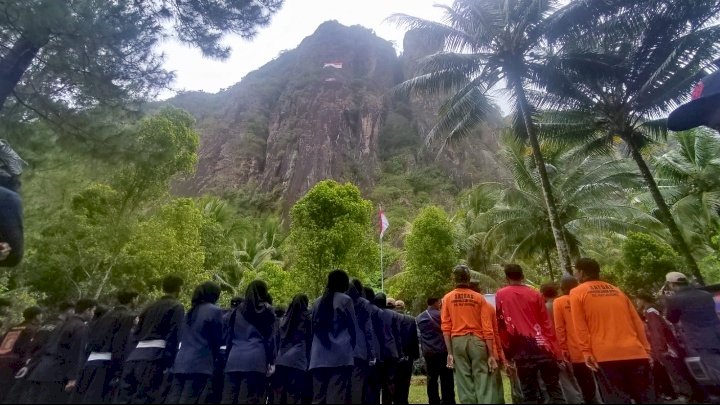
(588, 170)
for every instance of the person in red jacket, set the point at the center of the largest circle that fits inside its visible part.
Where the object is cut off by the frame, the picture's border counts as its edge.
(528, 336)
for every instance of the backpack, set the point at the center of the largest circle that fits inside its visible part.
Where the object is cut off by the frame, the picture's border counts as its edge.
(9, 340)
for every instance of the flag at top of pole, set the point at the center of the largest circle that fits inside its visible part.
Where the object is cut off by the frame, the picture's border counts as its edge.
(384, 224)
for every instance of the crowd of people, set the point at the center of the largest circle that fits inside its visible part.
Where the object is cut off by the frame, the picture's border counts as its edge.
(590, 345)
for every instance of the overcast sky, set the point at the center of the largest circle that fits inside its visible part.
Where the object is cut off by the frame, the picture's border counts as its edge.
(295, 21)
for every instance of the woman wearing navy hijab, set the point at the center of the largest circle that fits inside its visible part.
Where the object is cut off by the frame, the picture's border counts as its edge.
(333, 344)
(251, 347)
(199, 351)
(294, 336)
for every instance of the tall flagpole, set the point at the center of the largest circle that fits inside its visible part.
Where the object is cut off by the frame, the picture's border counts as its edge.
(382, 272)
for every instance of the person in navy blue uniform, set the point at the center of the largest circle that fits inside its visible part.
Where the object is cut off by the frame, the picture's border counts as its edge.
(156, 341)
(251, 348)
(106, 352)
(199, 350)
(295, 338)
(372, 384)
(57, 372)
(411, 352)
(435, 353)
(365, 348)
(389, 321)
(334, 340)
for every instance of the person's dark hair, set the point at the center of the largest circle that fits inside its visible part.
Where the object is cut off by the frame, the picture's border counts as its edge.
(100, 310)
(369, 294)
(513, 272)
(125, 297)
(172, 284)
(296, 315)
(206, 293)
(461, 275)
(236, 301)
(432, 301)
(337, 282)
(84, 304)
(256, 308)
(29, 314)
(567, 283)
(65, 305)
(589, 268)
(549, 290)
(380, 300)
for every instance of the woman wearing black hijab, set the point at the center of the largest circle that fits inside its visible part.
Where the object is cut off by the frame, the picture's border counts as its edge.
(294, 337)
(250, 346)
(391, 347)
(364, 349)
(199, 351)
(333, 345)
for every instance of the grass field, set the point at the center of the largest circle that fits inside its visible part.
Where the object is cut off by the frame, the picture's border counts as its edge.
(418, 393)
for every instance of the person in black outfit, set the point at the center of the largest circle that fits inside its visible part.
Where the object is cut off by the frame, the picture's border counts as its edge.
(60, 364)
(389, 321)
(156, 340)
(34, 352)
(411, 351)
(251, 348)
(334, 341)
(16, 347)
(435, 353)
(364, 349)
(106, 352)
(199, 350)
(295, 338)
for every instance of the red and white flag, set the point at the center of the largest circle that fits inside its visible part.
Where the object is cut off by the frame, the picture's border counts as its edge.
(336, 65)
(384, 224)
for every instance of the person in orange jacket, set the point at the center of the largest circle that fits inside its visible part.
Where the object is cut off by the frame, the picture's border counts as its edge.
(611, 337)
(568, 341)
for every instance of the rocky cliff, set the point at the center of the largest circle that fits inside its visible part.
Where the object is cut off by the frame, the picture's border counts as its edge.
(322, 110)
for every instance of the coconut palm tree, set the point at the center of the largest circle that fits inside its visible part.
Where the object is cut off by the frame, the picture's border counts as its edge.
(689, 179)
(488, 42)
(613, 80)
(591, 198)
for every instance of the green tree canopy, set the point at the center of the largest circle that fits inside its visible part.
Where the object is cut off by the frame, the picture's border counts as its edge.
(331, 228)
(431, 254)
(66, 58)
(646, 260)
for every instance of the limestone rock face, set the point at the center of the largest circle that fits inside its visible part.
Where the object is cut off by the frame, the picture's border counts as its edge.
(316, 112)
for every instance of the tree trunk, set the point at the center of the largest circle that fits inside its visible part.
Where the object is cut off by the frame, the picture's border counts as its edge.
(665, 214)
(549, 264)
(555, 225)
(14, 65)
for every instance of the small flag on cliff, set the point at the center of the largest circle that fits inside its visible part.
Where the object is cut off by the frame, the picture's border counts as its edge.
(384, 224)
(336, 65)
